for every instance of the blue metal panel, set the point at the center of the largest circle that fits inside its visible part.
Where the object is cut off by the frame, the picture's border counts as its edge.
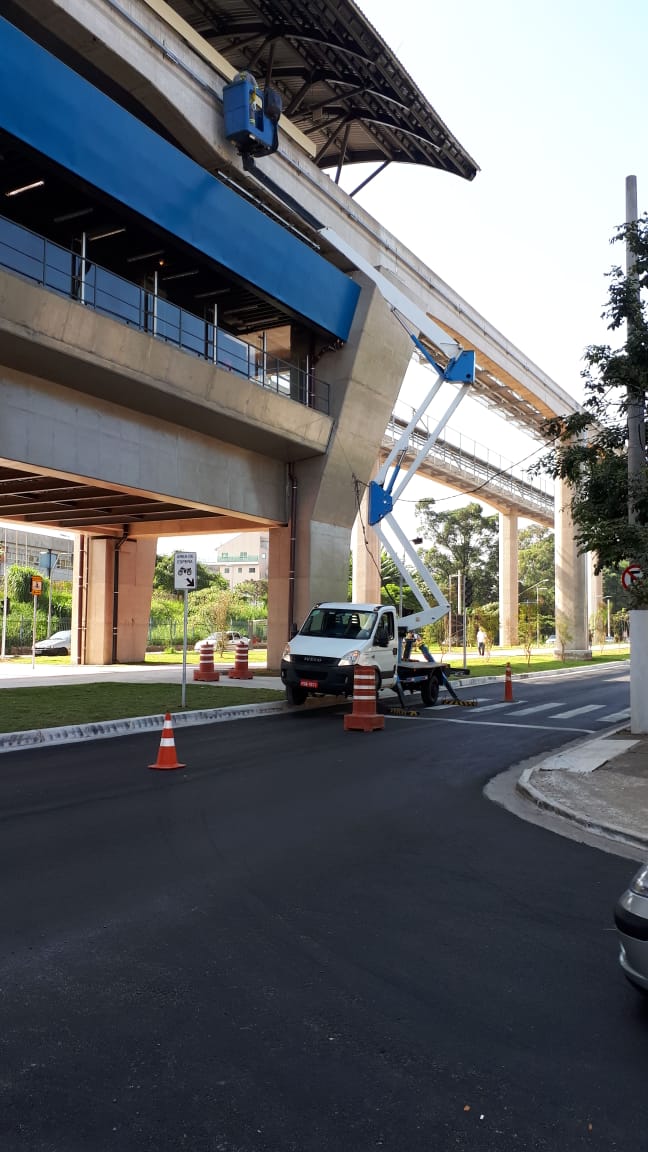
(57, 112)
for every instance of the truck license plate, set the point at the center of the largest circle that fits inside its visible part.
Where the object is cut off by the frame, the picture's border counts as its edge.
(308, 683)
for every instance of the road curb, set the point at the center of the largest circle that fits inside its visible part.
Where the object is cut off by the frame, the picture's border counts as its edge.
(527, 789)
(51, 737)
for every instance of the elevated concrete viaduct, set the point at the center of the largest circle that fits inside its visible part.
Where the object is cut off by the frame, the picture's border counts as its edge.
(245, 375)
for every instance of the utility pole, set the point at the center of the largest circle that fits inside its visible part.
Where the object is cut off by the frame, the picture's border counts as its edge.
(636, 401)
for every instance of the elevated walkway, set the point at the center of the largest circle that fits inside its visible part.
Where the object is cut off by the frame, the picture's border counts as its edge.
(462, 464)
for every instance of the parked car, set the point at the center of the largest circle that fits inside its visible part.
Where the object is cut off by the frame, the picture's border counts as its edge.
(631, 919)
(57, 645)
(216, 638)
(551, 640)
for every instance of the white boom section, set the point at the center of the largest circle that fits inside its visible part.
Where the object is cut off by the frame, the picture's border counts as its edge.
(460, 370)
(428, 613)
(403, 441)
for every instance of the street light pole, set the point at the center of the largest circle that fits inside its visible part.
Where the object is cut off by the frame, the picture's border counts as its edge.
(49, 592)
(537, 587)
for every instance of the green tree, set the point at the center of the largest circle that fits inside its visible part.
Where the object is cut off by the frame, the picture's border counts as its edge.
(222, 606)
(590, 446)
(19, 583)
(391, 590)
(163, 578)
(464, 540)
(254, 591)
(536, 593)
(536, 557)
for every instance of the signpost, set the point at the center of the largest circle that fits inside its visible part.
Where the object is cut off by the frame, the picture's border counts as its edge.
(36, 589)
(48, 560)
(184, 580)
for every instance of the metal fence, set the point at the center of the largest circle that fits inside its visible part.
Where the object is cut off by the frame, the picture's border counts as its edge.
(19, 629)
(73, 275)
(169, 633)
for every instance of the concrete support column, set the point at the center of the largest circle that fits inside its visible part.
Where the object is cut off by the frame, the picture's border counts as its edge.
(508, 579)
(79, 597)
(300, 358)
(571, 580)
(638, 671)
(113, 590)
(365, 551)
(364, 379)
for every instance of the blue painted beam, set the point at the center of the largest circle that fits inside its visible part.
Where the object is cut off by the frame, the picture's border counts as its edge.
(48, 106)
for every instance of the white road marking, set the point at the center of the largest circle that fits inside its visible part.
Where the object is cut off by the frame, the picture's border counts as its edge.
(612, 717)
(494, 707)
(577, 711)
(474, 719)
(538, 708)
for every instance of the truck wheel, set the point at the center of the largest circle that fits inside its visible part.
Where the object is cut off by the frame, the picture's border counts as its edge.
(295, 694)
(430, 692)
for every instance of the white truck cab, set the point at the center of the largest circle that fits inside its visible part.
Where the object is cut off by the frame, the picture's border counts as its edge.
(320, 658)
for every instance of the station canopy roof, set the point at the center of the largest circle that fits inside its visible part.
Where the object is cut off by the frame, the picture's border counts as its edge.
(340, 83)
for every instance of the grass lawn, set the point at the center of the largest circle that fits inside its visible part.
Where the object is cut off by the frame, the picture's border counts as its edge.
(541, 662)
(56, 705)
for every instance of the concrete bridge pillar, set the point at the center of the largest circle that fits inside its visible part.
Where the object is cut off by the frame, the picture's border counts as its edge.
(365, 550)
(365, 378)
(571, 580)
(508, 579)
(111, 599)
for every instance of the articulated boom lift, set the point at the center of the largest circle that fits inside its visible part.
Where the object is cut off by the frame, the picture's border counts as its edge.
(459, 370)
(384, 493)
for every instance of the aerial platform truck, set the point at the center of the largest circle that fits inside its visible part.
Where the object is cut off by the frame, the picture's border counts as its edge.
(320, 659)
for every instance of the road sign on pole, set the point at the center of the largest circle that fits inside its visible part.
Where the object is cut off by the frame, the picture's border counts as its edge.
(184, 571)
(184, 580)
(36, 588)
(631, 575)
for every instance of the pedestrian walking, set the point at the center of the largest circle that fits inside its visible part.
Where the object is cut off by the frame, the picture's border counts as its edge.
(481, 641)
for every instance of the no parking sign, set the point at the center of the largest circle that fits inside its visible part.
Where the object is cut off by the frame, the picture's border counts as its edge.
(631, 576)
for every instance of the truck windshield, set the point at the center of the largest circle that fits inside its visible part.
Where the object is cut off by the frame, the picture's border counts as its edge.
(339, 624)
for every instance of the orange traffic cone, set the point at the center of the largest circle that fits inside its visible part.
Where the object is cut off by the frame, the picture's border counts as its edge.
(508, 685)
(167, 753)
(364, 717)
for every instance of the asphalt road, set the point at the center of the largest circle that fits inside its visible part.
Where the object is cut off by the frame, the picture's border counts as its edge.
(313, 940)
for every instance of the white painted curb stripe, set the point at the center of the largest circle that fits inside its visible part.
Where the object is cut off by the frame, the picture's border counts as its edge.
(44, 737)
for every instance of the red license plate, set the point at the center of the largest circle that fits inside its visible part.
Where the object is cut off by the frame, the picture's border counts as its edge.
(308, 684)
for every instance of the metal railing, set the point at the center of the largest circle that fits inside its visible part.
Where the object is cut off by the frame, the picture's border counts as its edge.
(457, 455)
(76, 277)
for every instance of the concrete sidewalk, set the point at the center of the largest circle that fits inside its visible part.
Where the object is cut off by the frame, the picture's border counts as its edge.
(600, 785)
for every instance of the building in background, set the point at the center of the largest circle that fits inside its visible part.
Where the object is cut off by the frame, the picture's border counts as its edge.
(244, 557)
(37, 550)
